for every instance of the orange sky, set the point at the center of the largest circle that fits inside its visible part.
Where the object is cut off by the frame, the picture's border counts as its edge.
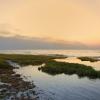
(66, 20)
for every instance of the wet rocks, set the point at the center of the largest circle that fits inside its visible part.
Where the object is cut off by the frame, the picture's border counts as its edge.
(14, 87)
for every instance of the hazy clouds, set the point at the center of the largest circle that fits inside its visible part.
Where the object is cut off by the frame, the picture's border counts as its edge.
(52, 17)
(67, 20)
(20, 42)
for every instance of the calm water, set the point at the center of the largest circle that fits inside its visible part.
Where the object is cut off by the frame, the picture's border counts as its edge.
(62, 87)
(64, 52)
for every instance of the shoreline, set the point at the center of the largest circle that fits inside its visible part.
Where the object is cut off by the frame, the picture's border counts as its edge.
(14, 87)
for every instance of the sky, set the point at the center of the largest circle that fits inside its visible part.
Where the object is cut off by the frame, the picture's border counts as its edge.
(59, 21)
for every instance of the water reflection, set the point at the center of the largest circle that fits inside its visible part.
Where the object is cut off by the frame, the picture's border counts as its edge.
(61, 87)
(95, 65)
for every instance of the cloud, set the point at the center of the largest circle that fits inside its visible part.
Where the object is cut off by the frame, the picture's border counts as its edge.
(22, 42)
(53, 18)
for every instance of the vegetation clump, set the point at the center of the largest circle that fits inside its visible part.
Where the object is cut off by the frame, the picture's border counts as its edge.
(4, 64)
(26, 59)
(91, 59)
(54, 67)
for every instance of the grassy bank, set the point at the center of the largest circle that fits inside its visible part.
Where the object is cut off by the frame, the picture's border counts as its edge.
(91, 59)
(26, 59)
(8, 76)
(53, 68)
(4, 64)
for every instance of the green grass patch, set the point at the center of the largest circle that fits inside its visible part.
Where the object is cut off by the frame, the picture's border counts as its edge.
(54, 67)
(91, 59)
(25, 59)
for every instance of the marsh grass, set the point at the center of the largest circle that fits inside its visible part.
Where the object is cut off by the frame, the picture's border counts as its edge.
(91, 59)
(51, 66)
(26, 59)
(4, 64)
(54, 67)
